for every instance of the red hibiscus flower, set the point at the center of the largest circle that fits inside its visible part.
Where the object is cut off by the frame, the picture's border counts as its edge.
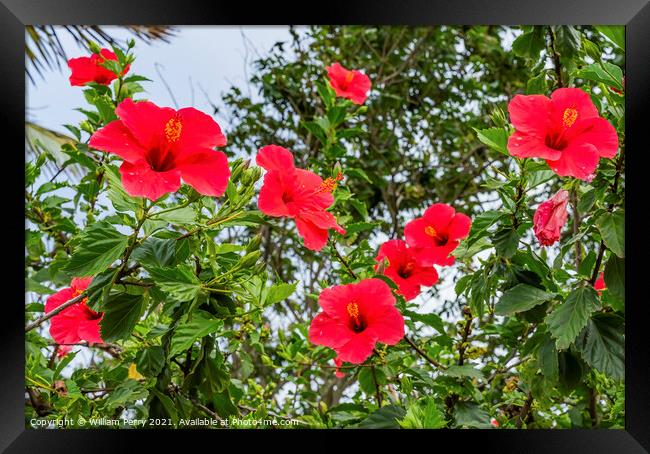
(436, 234)
(565, 130)
(550, 217)
(351, 84)
(297, 193)
(75, 323)
(90, 69)
(404, 269)
(355, 317)
(600, 283)
(160, 145)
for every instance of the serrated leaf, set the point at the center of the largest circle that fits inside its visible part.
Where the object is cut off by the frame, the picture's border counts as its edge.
(520, 298)
(614, 33)
(150, 361)
(612, 229)
(529, 44)
(279, 292)
(432, 320)
(101, 245)
(601, 344)
(185, 334)
(122, 202)
(615, 277)
(466, 370)
(385, 418)
(155, 252)
(570, 317)
(495, 138)
(180, 283)
(547, 359)
(121, 313)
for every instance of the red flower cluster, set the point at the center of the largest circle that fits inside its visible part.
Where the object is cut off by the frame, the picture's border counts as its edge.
(351, 84)
(160, 146)
(90, 69)
(296, 193)
(354, 318)
(430, 240)
(75, 323)
(565, 130)
(550, 217)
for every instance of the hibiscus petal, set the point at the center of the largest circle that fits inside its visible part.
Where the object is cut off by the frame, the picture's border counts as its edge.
(58, 298)
(439, 215)
(139, 180)
(572, 98)
(117, 139)
(437, 255)
(314, 237)
(459, 227)
(83, 71)
(206, 171)
(325, 330)
(145, 120)
(426, 276)
(323, 220)
(270, 200)
(274, 157)
(199, 130)
(523, 145)
(601, 134)
(372, 295)
(89, 331)
(578, 160)
(358, 348)
(530, 113)
(387, 326)
(334, 300)
(80, 283)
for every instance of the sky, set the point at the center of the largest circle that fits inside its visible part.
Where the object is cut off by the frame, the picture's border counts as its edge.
(198, 60)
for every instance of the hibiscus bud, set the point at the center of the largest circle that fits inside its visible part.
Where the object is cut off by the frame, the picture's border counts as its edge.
(94, 48)
(338, 170)
(254, 243)
(550, 217)
(236, 168)
(251, 176)
(249, 259)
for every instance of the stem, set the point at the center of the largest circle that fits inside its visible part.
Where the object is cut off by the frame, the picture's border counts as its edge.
(49, 315)
(523, 414)
(576, 226)
(556, 59)
(342, 260)
(377, 390)
(210, 223)
(423, 354)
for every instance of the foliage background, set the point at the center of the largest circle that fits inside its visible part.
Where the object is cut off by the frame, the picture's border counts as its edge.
(515, 331)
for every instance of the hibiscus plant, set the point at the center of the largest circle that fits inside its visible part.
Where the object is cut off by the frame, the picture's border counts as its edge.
(409, 227)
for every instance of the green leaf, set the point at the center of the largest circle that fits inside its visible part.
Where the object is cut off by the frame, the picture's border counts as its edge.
(385, 418)
(495, 138)
(547, 359)
(614, 33)
(471, 415)
(150, 361)
(537, 85)
(122, 202)
(612, 229)
(101, 245)
(465, 370)
(99, 289)
(279, 292)
(185, 215)
(155, 252)
(185, 334)
(601, 344)
(432, 320)
(569, 318)
(423, 414)
(568, 40)
(607, 73)
(529, 44)
(615, 277)
(506, 241)
(121, 313)
(520, 298)
(180, 283)
(124, 394)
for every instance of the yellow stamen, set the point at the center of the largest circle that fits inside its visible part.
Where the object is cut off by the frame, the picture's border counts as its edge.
(173, 130)
(429, 230)
(329, 184)
(353, 312)
(569, 117)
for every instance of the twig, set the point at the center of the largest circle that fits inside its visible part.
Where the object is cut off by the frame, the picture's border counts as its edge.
(423, 354)
(377, 390)
(343, 261)
(523, 414)
(52, 313)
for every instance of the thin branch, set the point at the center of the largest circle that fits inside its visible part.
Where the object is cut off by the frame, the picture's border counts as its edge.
(423, 354)
(49, 315)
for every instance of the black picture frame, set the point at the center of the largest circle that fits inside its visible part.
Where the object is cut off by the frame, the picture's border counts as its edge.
(634, 14)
